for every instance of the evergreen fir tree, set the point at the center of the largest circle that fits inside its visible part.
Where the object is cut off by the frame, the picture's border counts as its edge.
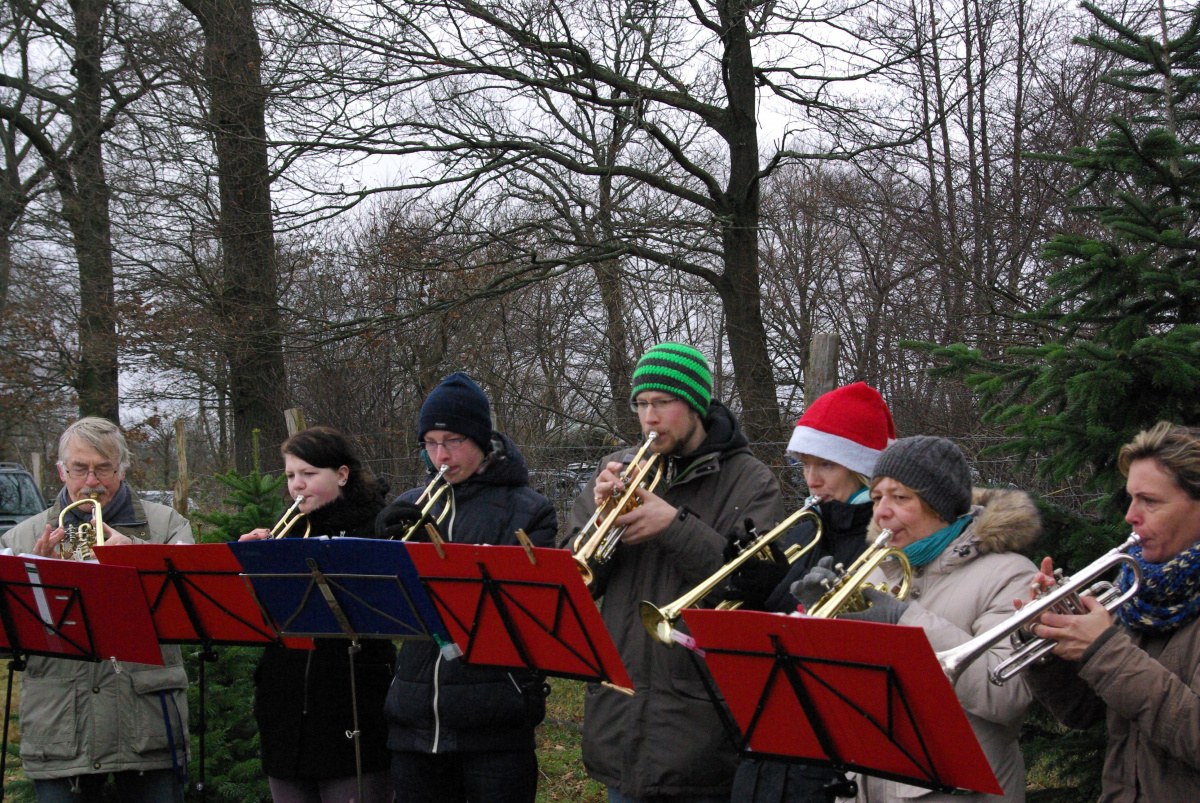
(233, 766)
(1124, 321)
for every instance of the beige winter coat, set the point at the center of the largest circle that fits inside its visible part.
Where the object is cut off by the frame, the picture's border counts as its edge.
(79, 717)
(967, 589)
(1149, 688)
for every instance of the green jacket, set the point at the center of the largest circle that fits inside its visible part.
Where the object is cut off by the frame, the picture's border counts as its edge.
(667, 739)
(80, 717)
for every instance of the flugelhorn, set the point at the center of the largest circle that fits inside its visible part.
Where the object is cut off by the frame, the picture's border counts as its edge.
(659, 622)
(1064, 598)
(599, 537)
(78, 541)
(846, 594)
(435, 490)
(289, 519)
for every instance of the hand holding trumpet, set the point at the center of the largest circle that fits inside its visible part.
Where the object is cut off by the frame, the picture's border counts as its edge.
(1074, 633)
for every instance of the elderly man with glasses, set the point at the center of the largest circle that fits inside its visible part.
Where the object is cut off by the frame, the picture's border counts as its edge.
(80, 721)
(459, 732)
(667, 743)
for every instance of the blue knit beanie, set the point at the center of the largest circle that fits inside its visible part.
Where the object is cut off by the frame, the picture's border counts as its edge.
(458, 405)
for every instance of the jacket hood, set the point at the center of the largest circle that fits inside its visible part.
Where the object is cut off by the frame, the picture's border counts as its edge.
(723, 432)
(1004, 521)
(504, 465)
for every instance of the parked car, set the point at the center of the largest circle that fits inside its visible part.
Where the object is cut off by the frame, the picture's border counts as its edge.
(20, 497)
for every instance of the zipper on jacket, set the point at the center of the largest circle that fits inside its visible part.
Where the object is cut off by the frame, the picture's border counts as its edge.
(437, 720)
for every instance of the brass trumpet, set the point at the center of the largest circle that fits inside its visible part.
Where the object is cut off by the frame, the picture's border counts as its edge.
(660, 622)
(435, 490)
(1064, 598)
(289, 519)
(846, 594)
(77, 542)
(599, 537)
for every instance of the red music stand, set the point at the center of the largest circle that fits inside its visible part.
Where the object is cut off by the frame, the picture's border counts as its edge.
(520, 606)
(197, 595)
(44, 610)
(855, 696)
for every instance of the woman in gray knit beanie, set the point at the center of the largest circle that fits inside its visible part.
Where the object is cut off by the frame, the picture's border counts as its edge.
(966, 574)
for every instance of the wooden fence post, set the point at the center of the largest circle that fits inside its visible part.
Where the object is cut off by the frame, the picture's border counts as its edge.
(182, 482)
(35, 468)
(821, 373)
(295, 420)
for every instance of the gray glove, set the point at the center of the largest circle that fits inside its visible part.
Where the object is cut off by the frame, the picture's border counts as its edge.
(814, 585)
(885, 609)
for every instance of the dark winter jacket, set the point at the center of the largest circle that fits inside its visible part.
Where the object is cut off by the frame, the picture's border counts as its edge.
(668, 739)
(844, 528)
(440, 706)
(302, 698)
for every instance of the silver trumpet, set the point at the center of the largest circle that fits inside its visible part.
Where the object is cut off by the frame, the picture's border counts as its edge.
(1063, 598)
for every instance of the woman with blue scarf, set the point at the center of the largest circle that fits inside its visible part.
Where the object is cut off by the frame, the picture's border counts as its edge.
(1141, 668)
(966, 575)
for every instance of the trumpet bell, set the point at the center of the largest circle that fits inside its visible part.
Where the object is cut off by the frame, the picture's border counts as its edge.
(78, 541)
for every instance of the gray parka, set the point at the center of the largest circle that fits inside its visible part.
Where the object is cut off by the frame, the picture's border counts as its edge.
(79, 717)
(1148, 687)
(667, 739)
(964, 591)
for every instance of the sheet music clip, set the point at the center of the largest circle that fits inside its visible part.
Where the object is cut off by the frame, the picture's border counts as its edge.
(435, 538)
(527, 544)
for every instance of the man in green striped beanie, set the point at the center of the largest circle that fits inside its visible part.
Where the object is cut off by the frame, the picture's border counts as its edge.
(667, 743)
(672, 391)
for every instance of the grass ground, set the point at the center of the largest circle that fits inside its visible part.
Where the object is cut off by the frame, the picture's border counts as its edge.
(560, 758)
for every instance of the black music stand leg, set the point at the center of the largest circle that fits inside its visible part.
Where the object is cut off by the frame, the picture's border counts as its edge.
(354, 648)
(15, 665)
(207, 653)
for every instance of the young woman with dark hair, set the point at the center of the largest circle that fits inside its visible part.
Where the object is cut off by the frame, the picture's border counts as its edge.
(302, 698)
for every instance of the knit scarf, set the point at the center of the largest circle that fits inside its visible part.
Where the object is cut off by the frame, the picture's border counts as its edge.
(119, 509)
(921, 553)
(1169, 596)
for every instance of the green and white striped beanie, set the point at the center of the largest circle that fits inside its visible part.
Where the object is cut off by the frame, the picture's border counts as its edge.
(678, 369)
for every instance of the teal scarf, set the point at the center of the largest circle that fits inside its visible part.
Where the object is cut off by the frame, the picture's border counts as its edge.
(924, 551)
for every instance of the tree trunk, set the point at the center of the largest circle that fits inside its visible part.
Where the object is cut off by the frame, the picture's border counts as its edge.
(740, 285)
(86, 212)
(248, 306)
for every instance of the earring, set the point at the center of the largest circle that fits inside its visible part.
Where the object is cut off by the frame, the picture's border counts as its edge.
(341, 482)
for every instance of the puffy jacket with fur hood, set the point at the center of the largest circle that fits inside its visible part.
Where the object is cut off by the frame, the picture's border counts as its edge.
(964, 591)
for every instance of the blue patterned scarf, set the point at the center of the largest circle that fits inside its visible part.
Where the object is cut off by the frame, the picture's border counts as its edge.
(1169, 596)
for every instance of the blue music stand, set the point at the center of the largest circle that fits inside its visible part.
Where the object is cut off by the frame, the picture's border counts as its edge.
(352, 588)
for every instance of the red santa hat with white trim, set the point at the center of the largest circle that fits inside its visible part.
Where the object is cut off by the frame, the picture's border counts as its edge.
(850, 425)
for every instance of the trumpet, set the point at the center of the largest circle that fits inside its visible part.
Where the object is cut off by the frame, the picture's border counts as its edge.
(599, 537)
(1064, 598)
(78, 541)
(660, 622)
(846, 594)
(289, 519)
(435, 490)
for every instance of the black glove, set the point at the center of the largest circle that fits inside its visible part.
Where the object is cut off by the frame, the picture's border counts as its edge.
(395, 520)
(755, 580)
(885, 609)
(737, 540)
(819, 580)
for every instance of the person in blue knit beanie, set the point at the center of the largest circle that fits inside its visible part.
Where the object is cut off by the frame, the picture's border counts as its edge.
(459, 732)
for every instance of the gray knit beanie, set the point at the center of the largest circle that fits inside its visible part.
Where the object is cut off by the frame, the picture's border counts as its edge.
(933, 467)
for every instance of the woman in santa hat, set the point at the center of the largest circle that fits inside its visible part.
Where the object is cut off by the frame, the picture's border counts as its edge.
(837, 440)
